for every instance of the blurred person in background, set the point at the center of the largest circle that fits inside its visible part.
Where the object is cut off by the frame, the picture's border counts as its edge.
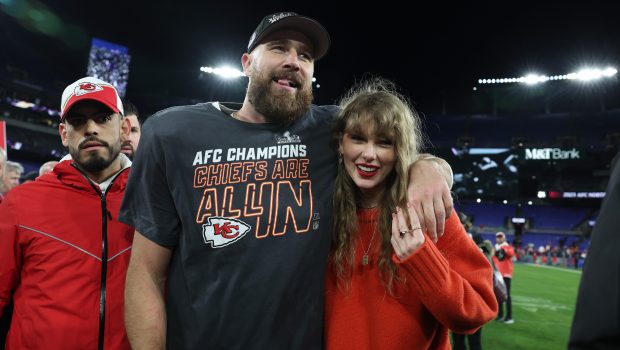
(473, 341)
(63, 252)
(2, 163)
(30, 176)
(5, 319)
(47, 167)
(2, 160)
(129, 144)
(596, 324)
(503, 260)
(12, 173)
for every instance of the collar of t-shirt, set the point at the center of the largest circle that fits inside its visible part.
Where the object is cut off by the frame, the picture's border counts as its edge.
(125, 163)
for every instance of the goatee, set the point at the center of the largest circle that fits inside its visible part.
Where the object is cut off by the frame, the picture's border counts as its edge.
(94, 162)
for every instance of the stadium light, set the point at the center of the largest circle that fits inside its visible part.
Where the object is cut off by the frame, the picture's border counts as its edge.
(585, 75)
(225, 72)
(532, 79)
(593, 74)
(228, 72)
(23, 104)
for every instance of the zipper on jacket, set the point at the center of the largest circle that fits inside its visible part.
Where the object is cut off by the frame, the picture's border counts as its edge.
(104, 268)
(104, 252)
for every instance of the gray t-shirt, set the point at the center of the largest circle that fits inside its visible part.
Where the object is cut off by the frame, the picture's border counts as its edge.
(246, 209)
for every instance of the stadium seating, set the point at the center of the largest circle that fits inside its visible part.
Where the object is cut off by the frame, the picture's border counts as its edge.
(553, 217)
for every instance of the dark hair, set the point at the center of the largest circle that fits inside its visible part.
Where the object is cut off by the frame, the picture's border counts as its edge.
(130, 108)
(31, 176)
(477, 238)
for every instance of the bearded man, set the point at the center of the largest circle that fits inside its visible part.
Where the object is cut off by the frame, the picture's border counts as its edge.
(63, 252)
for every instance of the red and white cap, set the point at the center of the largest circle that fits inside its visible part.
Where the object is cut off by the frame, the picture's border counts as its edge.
(90, 88)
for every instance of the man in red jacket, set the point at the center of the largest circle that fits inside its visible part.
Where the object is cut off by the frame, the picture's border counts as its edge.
(503, 260)
(2, 163)
(63, 252)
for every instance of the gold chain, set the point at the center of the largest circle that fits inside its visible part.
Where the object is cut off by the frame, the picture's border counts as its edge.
(365, 256)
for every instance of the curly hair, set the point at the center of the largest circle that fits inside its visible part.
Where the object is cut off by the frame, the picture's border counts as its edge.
(373, 107)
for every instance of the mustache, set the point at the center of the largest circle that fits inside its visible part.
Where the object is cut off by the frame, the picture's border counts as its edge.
(289, 75)
(126, 143)
(93, 139)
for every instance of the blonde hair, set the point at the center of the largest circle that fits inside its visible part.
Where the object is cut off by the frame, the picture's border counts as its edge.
(373, 106)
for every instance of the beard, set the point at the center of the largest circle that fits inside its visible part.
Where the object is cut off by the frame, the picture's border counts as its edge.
(95, 162)
(279, 106)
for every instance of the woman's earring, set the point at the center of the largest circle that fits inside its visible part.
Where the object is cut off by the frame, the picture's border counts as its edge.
(339, 158)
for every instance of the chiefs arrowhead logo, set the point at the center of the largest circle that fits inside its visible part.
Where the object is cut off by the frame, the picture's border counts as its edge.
(86, 88)
(220, 232)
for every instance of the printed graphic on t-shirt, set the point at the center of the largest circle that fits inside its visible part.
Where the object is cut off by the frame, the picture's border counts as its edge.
(264, 189)
(220, 232)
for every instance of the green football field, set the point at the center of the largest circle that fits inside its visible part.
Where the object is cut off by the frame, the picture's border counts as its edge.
(543, 304)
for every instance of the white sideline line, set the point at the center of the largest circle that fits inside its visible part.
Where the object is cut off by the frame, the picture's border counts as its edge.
(525, 320)
(565, 269)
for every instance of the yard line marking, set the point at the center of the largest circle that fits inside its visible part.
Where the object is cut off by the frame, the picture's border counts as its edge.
(526, 321)
(555, 268)
(534, 304)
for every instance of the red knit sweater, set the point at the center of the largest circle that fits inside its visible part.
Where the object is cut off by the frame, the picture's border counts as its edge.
(448, 286)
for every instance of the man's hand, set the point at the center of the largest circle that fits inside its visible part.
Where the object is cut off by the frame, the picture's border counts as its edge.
(428, 194)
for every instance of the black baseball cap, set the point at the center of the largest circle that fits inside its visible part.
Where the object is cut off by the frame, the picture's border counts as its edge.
(290, 20)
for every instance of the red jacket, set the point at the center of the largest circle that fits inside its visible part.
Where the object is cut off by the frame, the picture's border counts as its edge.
(447, 286)
(505, 266)
(63, 260)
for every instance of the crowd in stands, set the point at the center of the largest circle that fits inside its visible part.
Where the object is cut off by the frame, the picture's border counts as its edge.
(553, 236)
(552, 255)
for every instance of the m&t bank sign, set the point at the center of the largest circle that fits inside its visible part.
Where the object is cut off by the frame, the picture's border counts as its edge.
(551, 154)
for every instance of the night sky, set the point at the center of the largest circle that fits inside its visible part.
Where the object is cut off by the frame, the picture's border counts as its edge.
(435, 51)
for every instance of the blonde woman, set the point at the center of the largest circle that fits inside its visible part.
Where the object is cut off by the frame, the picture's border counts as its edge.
(388, 286)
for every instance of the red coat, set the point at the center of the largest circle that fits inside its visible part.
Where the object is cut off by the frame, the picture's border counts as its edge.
(57, 236)
(447, 286)
(505, 266)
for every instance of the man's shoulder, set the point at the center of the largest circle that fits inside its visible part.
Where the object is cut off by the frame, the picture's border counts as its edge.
(23, 193)
(325, 111)
(318, 115)
(176, 114)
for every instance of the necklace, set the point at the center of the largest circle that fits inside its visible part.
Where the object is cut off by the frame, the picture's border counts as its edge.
(365, 256)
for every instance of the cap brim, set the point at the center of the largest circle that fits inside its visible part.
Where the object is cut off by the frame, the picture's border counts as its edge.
(86, 98)
(317, 34)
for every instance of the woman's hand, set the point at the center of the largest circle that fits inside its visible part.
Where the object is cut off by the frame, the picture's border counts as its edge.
(405, 240)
